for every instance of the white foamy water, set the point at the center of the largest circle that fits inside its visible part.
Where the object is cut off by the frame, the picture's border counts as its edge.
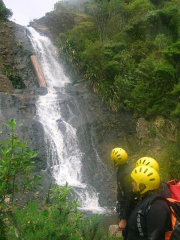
(64, 154)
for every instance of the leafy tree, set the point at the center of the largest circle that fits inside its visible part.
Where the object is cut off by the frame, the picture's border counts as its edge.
(5, 13)
(102, 12)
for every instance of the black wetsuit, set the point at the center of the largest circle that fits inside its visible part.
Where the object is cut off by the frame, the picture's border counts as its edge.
(150, 219)
(124, 191)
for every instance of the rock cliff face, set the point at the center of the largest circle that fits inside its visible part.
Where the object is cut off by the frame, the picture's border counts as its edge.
(15, 55)
(6, 84)
(97, 126)
(17, 87)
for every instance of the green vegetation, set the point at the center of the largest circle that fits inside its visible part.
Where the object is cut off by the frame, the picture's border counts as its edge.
(5, 13)
(16, 165)
(171, 163)
(128, 49)
(16, 161)
(57, 217)
(13, 76)
(164, 137)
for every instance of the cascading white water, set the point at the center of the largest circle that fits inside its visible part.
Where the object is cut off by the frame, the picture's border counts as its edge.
(64, 155)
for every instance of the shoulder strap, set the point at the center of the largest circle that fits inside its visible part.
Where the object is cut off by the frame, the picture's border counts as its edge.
(152, 199)
(175, 207)
(164, 190)
(174, 234)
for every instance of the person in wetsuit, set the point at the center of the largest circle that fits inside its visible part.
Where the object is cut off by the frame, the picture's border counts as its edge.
(124, 204)
(150, 220)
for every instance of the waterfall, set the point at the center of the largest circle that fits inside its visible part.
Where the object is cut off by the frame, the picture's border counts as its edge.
(63, 151)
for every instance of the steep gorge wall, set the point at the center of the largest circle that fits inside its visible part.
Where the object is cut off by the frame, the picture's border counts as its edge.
(18, 95)
(19, 86)
(96, 126)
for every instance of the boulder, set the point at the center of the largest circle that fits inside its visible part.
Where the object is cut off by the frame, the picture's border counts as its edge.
(113, 231)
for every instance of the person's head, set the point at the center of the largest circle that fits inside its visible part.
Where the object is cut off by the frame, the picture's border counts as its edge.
(148, 161)
(145, 179)
(118, 156)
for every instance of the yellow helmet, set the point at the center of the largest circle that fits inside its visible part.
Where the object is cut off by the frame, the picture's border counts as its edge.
(119, 156)
(146, 176)
(148, 161)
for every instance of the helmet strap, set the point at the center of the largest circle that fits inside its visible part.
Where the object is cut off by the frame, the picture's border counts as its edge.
(142, 186)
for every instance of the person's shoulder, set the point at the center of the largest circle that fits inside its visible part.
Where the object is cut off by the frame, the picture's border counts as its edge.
(161, 204)
(151, 197)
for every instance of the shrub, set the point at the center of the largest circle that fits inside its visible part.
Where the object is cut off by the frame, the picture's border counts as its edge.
(16, 166)
(58, 219)
(13, 76)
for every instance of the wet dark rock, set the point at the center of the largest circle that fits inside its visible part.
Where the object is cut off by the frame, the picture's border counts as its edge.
(59, 120)
(42, 91)
(18, 91)
(61, 126)
(22, 109)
